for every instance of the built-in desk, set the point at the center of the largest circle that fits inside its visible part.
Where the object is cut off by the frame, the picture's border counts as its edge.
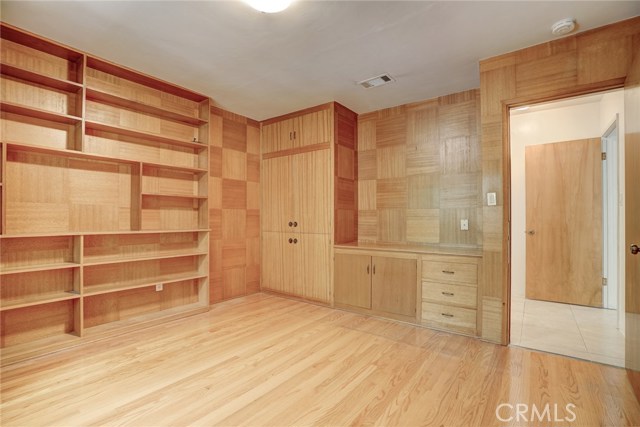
(436, 286)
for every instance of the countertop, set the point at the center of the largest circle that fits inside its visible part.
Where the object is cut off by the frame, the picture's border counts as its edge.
(414, 249)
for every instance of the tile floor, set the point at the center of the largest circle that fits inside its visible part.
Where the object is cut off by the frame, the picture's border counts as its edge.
(582, 332)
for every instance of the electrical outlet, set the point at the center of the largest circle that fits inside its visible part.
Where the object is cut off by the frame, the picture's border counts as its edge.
(464, 224)
(491, 199)
(159, 287)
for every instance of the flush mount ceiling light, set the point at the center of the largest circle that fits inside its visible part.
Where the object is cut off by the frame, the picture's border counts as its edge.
(376, 81)
(269, 6)
(563, 26)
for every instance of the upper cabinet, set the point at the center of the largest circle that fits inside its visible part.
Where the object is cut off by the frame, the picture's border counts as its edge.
(296, 132)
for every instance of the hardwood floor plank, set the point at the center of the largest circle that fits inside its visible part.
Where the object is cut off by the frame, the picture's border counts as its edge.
(263, 360)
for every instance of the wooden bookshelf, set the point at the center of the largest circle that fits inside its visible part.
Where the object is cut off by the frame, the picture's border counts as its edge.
(103, 194)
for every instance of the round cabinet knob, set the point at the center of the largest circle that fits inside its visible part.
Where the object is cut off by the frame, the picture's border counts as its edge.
(634, 249)
(295, 223)
(290, 224)
(290, 240)
(530, 232)
(295, 241)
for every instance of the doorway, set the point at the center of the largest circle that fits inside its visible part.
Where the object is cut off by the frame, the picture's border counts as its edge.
(565, 271)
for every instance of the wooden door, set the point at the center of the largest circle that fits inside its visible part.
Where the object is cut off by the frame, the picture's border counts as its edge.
(315, 128)
(564, 222)
(632, 224)
(277, 197)
(393, 285)
(272, 264)
(352, 280)
(314, 255)
(312, 191)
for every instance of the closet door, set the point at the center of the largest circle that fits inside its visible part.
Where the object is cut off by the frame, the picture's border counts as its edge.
(311, 183)
(314, 254)
(273, 251)
(277, 194)
(315, 128)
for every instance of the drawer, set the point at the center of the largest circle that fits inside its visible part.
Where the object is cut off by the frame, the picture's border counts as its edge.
(446, 293)
(451, 318)
(450, 272)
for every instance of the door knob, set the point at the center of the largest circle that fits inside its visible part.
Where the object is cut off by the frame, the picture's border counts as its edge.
(634, 249)
(530, 232)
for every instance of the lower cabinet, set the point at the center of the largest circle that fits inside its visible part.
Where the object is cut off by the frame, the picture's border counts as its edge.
(383, 284)
(297, 264)
(450, 293)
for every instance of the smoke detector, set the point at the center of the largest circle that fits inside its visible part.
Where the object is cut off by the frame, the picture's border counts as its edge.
(376, 81)
(563, 26)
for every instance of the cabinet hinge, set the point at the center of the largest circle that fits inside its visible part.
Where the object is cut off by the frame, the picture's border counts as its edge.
(604, 156)
(604, 281)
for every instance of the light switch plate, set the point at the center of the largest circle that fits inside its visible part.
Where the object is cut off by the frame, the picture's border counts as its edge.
(464, 224)
(491, 199)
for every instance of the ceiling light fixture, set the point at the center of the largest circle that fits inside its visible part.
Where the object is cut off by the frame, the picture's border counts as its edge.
(269, 6)
(563, 26)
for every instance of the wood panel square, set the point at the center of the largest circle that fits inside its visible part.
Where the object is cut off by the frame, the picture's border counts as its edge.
(391, 193)
(367, 164)
(233, 254)
(367, 194)
(392, 225)
(253, 251)
(253, 223)
(391, 162)
(215, 130)
(423, 225)
(457, 120)
(253, 140)
(215, 193)
(461, 191)
(215, 223)
(391, 130)
(253, 167)
(424, 158)
(253, 195)
(234, 164)
(423, 191)
(233, 282)
(367, 226)
(234, 194)
(422, 127)
(461, 155)
(215, 161)
(234, 224)
(234, 135)
(366, 134)
(450, 232)
(345, 162)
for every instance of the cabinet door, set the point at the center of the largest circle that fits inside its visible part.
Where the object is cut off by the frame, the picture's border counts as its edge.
(315, 128)
(277, 197)
(352, 280)
(272, 261)
(311, 183)
(314, 251)
(393, 285)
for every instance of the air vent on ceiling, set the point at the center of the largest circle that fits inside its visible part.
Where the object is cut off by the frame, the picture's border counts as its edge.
(376, 81)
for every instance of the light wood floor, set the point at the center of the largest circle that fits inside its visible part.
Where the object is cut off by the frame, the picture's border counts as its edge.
(264, 360)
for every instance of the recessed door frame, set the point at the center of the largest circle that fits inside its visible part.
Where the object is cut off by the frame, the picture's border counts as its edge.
(506, 176)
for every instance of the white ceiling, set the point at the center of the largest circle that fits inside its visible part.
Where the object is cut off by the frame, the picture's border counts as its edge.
(262, 65)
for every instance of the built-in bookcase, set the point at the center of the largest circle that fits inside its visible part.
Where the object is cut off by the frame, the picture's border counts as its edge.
(103, 194)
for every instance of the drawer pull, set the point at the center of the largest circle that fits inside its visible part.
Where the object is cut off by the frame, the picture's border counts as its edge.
(448, 272)
(448, 294)
(447, 314)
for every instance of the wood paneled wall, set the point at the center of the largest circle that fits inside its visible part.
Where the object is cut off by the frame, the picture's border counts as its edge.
(419, 172)
(346, 175)
(234, 211)
(583, 63)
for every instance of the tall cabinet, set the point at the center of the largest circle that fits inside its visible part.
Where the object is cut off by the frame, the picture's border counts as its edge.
(298, 192)
(103, 195)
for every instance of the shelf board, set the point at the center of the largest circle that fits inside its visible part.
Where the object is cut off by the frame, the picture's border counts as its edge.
(68, 153)
(166, 279)
(197, 171)
(146, 320)
(107, 98)
(39, 113)
(112, 260)
(37, 78)
(35, 268)
(174, 196)
(103, 233)
(147, 136)
(38, 300)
